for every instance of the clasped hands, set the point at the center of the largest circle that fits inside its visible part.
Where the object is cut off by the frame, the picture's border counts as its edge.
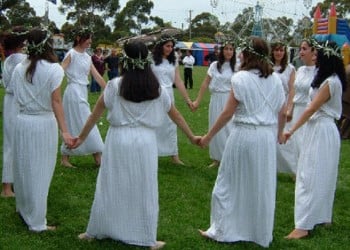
(201, 141)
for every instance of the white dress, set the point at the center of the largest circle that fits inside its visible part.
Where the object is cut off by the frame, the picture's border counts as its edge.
(286, 157)
(76, 105)
(318, 163)
(125, 206)
(219, 88)
(10, 111)
(243, 199)
(167, 132)
(35, 141)
(303, 79)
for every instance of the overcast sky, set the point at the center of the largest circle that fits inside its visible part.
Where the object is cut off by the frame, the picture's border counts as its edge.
(178, 11)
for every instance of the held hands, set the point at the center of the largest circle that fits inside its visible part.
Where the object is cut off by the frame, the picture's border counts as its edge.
(67, 139)
(287, 135)
(204, 142)
(76, 143)
(190, 105)
(195, 105)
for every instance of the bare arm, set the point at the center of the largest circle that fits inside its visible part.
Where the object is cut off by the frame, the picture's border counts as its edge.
(181, 87)
(291, 93)
(223, 118)
(203, 88)
(65, 63)
(99, 79)
(56, 103)
(321, 97)
(179, 120)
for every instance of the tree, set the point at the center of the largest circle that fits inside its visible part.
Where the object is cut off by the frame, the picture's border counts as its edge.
(82, 13)
(205, 25)
(131, 18)
(342, 7)
(76, 8)
(22, 14)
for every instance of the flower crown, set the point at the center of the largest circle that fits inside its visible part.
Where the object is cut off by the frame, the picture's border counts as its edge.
(247, 45)
(129, 63)
(80, 31)
(328, 49)
(165, 39)
(39, 48)
(228, 41)
(277, 43)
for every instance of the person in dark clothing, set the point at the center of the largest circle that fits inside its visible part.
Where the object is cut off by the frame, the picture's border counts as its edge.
(97, 60)
(212, 56)
(112, 63)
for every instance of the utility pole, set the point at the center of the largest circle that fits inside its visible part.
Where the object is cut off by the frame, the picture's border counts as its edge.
(190, 23)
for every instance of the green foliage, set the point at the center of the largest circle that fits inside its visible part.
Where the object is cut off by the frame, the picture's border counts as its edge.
(184, 197)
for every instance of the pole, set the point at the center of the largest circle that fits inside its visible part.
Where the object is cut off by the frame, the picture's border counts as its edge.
(190, 23)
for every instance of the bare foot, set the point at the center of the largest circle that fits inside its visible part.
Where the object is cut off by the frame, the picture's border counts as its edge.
(176, 160)
(67, 164)
(7, 194)
(51, 228)
(85, 236)
(214, 164)
(297, 234)
(97, 158)
(204, 234)
(158, 245)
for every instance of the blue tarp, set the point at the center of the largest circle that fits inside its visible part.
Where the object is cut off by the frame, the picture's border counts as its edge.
(339, 39)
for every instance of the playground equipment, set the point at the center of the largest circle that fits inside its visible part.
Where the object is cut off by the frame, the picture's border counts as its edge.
(334, 29)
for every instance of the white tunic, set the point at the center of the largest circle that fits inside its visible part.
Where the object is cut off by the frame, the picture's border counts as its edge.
(125, 206)
(286, 157)
(76, 106)
(303, 79)
(35, 141)
(318, 163)
(243, 199)
(10, 111)
(219, 87)
(167, 132)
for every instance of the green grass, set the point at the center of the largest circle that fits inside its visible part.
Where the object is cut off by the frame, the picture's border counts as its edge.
(185, 193)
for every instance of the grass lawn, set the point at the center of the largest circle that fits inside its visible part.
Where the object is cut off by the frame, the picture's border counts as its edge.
(185, 193)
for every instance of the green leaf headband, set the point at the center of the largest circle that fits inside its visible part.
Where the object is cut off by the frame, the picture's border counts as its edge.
(38, 49)
(166, 39)
(247, 45)
(80, 31)
(327, 49)
(129, 63)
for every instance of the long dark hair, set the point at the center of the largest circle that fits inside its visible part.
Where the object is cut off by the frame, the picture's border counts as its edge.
(40, 47)
(138, 83)
(284, 61)
(14, 39)
(158, 50)
(329, 63)
(221, 58)
(257, 57)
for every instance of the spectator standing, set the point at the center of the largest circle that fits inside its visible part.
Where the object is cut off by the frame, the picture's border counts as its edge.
(98, 61)
(112, 64)
(188, 62)
(213, 56)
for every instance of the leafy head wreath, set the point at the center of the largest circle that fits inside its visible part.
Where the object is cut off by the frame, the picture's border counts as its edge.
(39, 48)
(227, 42)
(81, 31)
(247, 45)
(328, 49)
(129, 63)
(164, 39)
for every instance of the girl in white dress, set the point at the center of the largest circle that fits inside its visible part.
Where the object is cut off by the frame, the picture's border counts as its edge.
(125, 206)
(166, 69)
(36, 84)
(218, 81)
(318, 162)
(13, 42)
(243, 199)
(286, 158)
(78, 65)
(303, 78)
